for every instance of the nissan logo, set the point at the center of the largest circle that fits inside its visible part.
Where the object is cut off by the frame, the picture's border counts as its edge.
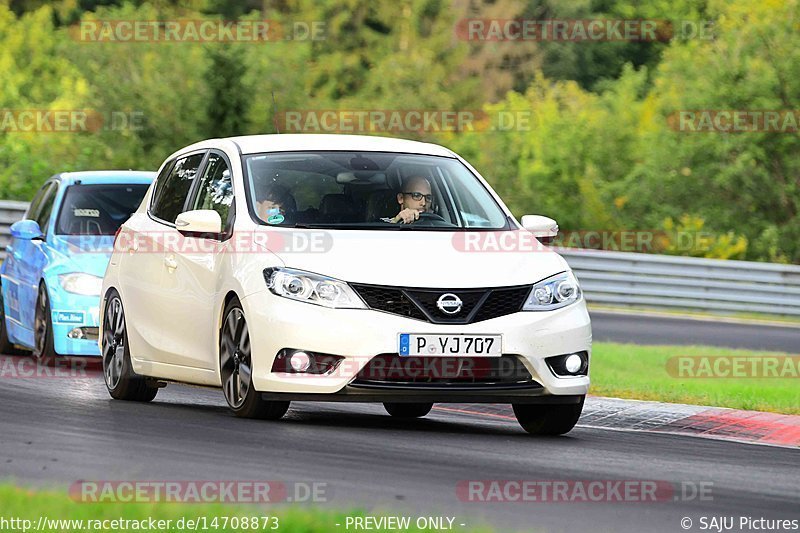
(449, 303)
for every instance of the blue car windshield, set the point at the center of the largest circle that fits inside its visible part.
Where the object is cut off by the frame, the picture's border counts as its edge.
(98, 209)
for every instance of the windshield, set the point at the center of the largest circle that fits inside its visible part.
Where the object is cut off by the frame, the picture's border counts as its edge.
(368, 190)
(98, 209)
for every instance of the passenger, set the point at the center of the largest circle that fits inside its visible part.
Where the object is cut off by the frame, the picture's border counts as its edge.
(415, 198)
(273, 201)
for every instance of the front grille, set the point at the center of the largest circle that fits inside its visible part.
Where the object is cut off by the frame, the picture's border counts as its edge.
(426, 300)
(389, 299)
(392, 370)
(500, 301)
(420, 304)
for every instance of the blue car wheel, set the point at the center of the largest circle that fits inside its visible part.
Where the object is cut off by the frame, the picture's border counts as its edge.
(6, 347)
(43, 327)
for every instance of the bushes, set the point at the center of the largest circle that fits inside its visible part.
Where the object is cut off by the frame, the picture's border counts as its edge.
(599, 153)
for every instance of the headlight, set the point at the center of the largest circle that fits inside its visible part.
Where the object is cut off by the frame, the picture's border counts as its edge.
(312, 288)
(79, 283)
(554, 292)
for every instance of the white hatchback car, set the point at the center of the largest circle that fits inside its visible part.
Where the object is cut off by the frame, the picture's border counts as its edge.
(341, 268)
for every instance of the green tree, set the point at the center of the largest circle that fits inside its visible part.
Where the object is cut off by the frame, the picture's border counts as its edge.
(744, 182)
(228, 99)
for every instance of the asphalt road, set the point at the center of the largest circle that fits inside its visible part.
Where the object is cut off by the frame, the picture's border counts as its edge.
(59, 430)
(643, 329)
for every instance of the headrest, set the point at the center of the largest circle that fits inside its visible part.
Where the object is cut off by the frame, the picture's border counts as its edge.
(336, 204)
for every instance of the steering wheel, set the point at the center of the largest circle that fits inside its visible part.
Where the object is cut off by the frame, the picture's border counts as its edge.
(428, 218)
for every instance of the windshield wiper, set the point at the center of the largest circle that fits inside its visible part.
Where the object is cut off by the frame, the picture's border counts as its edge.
(305, 225)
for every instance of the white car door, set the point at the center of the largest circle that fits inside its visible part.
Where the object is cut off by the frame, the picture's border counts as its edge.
(143, 270)
(192, 280)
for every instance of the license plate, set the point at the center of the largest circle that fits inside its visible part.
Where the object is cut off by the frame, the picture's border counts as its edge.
(69, 317)
(450, 345)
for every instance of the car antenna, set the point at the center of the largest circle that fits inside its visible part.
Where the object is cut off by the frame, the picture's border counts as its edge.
(275, 113)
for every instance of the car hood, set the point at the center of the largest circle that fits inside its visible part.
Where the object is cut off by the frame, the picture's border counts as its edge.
(79, 253)
(414, 258)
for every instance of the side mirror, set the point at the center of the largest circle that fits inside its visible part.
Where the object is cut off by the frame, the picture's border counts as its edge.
(26, 229)
(199, 221)
(543, 228)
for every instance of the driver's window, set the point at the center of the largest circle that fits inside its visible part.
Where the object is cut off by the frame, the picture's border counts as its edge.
(46, 207)
(36, 203)
(216, 189)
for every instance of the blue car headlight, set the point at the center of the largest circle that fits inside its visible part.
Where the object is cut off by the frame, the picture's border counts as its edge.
(81, 283)
(554, 292)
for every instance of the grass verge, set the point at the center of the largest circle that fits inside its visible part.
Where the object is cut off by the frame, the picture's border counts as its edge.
(749, 318)
(641, 372)
(58, 509)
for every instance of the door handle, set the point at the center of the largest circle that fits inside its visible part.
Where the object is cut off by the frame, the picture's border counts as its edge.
(171, 263)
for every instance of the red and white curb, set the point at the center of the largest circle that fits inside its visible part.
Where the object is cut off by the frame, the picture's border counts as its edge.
(677, 419)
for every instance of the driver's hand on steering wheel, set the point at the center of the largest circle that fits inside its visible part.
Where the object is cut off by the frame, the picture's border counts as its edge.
(407, 216)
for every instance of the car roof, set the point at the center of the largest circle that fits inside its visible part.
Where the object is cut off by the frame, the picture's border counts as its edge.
(294, 142)
(89, 177)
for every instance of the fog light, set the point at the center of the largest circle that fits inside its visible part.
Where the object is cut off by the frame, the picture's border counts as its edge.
(297, 361)
(300, 361)
(83, 333)
(573, 363)
(569, 365)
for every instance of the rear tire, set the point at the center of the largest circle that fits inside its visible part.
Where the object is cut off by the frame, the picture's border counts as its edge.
(235, 368)
(539, 419)
(407, 410)
(43, 328)
(121, 381)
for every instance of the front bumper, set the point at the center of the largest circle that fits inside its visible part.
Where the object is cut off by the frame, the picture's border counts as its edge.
(70, 311)
(359, 335)
(354, 394)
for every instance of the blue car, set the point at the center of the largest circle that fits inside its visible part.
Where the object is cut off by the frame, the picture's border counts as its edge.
(55, 261)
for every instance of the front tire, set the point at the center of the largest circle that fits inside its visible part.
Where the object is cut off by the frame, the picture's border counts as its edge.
(43, 327)
(236, 369)
(6, 346)
(407, 410)
(121, 381)
(557, 419)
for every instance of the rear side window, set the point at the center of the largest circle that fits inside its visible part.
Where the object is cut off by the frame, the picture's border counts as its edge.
(173, 188)
(98, 209)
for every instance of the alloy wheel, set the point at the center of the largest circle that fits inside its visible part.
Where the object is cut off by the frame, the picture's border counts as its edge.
(40, 322)
(235, 362)
(113, 343)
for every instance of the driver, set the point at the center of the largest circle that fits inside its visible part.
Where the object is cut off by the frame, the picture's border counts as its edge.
(415, 198)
